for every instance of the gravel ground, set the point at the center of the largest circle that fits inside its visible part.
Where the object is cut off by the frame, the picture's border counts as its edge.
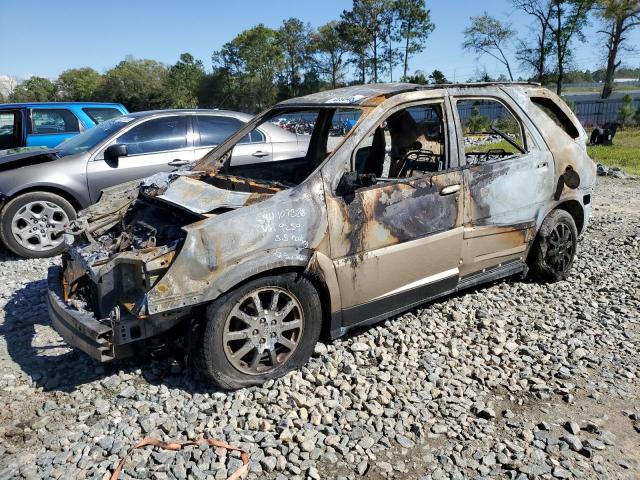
(515, 379)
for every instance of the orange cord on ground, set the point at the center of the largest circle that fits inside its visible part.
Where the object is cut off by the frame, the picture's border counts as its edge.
(173, 445)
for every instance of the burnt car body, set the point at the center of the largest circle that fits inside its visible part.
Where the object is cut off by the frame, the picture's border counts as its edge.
(435, 189)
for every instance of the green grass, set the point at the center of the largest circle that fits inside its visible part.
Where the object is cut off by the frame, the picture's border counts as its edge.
(502, 144)
(624, 153)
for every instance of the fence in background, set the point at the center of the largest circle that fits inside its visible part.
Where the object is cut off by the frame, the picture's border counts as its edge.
(595, 85)
(590, 112)
(599, 112)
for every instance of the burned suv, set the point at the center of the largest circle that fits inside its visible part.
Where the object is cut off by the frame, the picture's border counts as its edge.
(405, 193)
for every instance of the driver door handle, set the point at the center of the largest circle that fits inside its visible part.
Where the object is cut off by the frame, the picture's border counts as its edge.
(260, 154)
(450, 190)
(177, 163)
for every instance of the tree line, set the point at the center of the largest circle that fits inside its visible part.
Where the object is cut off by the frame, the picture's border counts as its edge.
(374, 41)
(546, 50)
(260, 66)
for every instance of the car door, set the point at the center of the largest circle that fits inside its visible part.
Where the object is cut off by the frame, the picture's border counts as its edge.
(254, 148)
(216, 128)
(154, 145)
(49, 127)
(508, 174)
(397, 243)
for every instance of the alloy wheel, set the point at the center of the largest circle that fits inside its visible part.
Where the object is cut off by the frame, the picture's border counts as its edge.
(263, 330)
(39, 225)
(560, 248)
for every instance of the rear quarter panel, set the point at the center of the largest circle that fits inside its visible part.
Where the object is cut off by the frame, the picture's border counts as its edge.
(568, 153)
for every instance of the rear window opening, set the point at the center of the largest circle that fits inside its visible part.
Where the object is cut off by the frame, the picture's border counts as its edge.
(555, 113)
(53, 121)
(101, 114)
(10, 129)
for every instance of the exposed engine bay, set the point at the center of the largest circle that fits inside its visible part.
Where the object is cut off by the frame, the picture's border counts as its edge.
(123, 244)
(145, 225)
(150, 219)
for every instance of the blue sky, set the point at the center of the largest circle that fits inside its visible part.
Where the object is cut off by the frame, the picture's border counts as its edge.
(47, 37)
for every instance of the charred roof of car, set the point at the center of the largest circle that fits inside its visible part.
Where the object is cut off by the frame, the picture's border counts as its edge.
(357, 95)
(353, 95)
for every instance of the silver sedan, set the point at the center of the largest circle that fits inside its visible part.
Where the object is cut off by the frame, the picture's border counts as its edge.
(40, 191)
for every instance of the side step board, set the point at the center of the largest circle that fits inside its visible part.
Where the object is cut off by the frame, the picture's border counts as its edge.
(492, 274)
(365, 315)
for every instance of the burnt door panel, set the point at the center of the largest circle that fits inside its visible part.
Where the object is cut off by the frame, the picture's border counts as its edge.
(508, 179)
(397, 242)
(504, 199)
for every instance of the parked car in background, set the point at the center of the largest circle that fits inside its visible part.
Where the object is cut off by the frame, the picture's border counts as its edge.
(436, 189)
(37, 202)
(49, 124)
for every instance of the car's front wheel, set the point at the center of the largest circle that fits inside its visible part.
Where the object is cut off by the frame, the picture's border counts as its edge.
(554, 248)
(31, 225)
(261, 330)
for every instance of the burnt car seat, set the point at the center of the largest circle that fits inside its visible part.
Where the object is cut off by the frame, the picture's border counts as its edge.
(374, 162)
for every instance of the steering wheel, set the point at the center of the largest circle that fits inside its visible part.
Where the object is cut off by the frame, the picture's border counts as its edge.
(414, 156)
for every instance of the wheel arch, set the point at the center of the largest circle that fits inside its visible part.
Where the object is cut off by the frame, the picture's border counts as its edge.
(316, 280)
(68, 196)
(314, 270)
(576, 210)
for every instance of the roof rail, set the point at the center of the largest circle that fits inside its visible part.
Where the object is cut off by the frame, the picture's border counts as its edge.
(477, 84)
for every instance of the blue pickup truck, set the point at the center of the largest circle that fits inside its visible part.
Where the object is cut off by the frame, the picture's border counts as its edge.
(49, 124)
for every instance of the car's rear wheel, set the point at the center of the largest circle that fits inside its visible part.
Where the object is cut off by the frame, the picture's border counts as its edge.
(554, 248)
(261, 330)
(31, 225)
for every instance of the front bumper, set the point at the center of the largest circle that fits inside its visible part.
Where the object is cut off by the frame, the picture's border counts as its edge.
(103, 339)
(79, 329)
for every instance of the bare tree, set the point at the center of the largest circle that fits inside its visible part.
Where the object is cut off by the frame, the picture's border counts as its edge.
(569, 19)
(8, 85)
(619, 17)
(534, 57)
(488, 35)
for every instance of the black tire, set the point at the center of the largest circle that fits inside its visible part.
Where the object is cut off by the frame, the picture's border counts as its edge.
(15, 205)
(211, 355)
(554, 248)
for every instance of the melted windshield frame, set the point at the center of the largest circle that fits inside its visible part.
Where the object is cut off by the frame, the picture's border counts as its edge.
(210, 161)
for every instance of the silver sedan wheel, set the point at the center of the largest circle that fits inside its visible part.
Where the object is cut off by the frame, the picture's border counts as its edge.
(263, 330)
(39, 225)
